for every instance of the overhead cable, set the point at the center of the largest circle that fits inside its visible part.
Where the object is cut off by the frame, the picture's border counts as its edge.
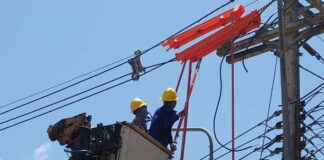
(309, 71)
(216, 110)
(145, 51)
(62, 89)
(275, 114)
(251, 3)
(65, 82)
(269, 105)
(261, 11)
(83, 98)
(190, 25)
(247, 142)
(278, 138)
(64, 99)
(263, 27)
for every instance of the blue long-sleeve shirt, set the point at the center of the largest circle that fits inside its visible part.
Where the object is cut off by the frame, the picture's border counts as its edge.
(161, 125)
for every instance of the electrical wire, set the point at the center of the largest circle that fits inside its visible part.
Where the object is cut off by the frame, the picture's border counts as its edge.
(269, 105)
(216, 110)
(65, 82)
(261, 11)
(251, 3)
(309, 128)
(145, 51)
(309, 94)
(263, 27)
(312, 143)
(249, 141)
(320, 38)
(275, 114)
(62, 89)
(83, 98)
(75, 95)
(52, 110)
(312, 110)
(313, 96)
(64, 99)
(190, 25)
(309, 71)
(277, 139)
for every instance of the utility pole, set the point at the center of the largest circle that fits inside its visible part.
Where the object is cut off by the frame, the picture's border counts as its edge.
(290, 87)
(296, 25)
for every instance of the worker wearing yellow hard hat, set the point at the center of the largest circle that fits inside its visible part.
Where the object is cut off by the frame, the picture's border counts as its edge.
(142, 116)
(169, 95)
(164, 118)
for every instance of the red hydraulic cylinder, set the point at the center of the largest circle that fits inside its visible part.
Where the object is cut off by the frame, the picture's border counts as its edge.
(214, 23)
(219, 38)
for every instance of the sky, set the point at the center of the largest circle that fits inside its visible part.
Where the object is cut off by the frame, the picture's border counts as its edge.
(44, 43)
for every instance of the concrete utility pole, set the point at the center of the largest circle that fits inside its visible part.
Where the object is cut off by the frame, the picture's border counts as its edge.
(289, 65)
(296, 25)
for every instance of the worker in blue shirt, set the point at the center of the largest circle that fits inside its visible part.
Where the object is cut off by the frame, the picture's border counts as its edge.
(164, 118)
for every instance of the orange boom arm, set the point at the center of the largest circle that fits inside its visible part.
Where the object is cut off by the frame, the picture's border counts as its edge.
(219, 38)
(214, 23)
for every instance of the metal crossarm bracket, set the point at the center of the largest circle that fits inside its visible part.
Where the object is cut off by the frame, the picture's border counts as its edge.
(136, 65)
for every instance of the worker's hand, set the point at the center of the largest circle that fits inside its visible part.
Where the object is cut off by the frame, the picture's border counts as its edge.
(182, 113)
(173, 147)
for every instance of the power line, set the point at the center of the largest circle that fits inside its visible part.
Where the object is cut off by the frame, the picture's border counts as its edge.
(65, 82)
(309, 71)
(64, 99)
(67, 98)
(320, 38)
(147, 50)
(310, 93)
(249, 141)
(62, 89)
(190, 25)
(217, 106)
(263, 27)
(269, 105)
(220, 92)
(251, 3)
(258, 31)
(275, 114)
(83, 98)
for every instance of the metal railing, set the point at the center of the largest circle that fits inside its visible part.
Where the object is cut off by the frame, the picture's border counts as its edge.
(211, 144)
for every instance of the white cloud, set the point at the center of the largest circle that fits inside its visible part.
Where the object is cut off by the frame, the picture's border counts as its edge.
(41, 153)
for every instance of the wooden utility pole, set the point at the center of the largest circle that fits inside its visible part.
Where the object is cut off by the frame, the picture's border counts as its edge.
(296, 25)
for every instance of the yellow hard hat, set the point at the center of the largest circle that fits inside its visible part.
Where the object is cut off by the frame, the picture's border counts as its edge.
(169, 95)
(136, 103)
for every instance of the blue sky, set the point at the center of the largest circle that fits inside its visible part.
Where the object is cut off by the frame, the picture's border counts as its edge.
(43, 43)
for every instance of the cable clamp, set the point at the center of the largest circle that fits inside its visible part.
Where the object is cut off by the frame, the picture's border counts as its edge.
(136, 65)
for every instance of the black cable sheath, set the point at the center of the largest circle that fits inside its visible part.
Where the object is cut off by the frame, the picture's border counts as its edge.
(269, 105)
(93, 94)
(247, 131)
(309, 71)
(65, 82)
(64, 99)
(147, 50)
(190, 25)
(62, 89)
(216, 110)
